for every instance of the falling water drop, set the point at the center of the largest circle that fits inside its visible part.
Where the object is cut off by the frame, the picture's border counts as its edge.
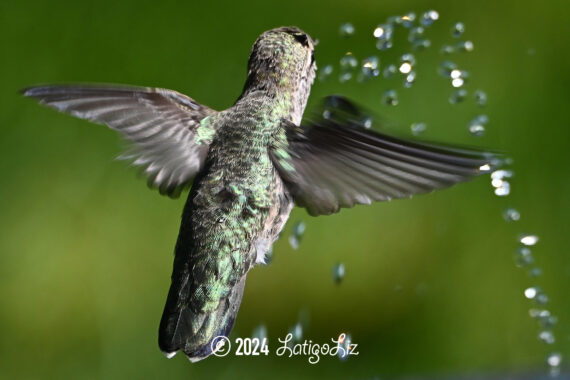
(480, 98)
(338, 273)
(383, 33)
(370, 68)
(416, 34)
(523, 257)
(410, 79)
(389, 71)
(346, 30)
(528, 240)
(458, 96)
(297, 332)
(418, 128)
(390, 97)
(546, 336)
(465, 46)
(447, 49)
(296, 235)
(259, 332)
(344, 342)
(458, 29)
(429, 17)
(511, 215)
(446, 68)
(477, 125)
(325, 72)
(408, 19)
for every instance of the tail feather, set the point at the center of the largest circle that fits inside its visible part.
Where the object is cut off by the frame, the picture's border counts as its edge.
(193, 331)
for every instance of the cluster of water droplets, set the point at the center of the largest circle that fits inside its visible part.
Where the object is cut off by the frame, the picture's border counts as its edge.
(416, 27)
(524, 259)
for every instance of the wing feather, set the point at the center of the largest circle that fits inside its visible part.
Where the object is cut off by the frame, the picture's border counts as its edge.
(160, 124)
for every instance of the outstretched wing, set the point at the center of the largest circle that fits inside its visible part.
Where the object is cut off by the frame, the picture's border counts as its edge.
(336, 162)
(169, 132)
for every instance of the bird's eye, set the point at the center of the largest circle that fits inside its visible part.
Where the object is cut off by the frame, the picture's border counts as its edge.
(302, 38)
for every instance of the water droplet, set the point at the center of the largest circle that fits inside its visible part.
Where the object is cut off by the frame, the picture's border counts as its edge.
(383, 44)
(539, 313)
(297, 331)
(457, 82)
(325, 72)
(541, 299)
(465, 46)
(429, 17)
(348, 61)
(532, 292)
(390, 97)
(554, 359)
(447, 49)
(408, 20)
(546, 336)
(344, 341)
(259, 332)
(410, 79)
(480, 98)
(416, 34)
(477, 125)
(383, 33)
(418, 128)
(458, 96)
(379, 31)
(502, 187)
(390, 70)
(345, 77)
(502, 173)
(458, 29)
(370, 67)
(535, 272)
(421, 44)
(405, 68)
(394, 20)
(294, 242)
(347, 64)
(511, 215)
(408, 58)
(338, 273)
(523, 257)
(296, 234)
(367, 122)
(346, 29)
(503, 190)
(446, 68)
(548, 321)
(528, 240)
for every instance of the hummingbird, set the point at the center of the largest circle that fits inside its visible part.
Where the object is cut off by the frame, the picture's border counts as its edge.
(247, 167)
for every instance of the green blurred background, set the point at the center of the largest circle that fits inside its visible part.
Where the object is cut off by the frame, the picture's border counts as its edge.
(431, 288)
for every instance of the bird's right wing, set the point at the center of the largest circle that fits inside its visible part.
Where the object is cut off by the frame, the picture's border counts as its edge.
(334, 162)
(169, 132)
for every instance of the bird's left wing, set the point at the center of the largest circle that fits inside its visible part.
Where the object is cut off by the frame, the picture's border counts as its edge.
(168, 131)
(334, 162)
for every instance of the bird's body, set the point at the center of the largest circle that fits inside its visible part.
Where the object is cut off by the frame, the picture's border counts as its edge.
(235, 210)
(248, 165)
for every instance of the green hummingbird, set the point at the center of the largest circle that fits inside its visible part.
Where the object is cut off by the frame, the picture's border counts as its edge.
(247, 166)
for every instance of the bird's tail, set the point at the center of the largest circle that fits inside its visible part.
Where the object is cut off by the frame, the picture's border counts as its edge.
(194, 331)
